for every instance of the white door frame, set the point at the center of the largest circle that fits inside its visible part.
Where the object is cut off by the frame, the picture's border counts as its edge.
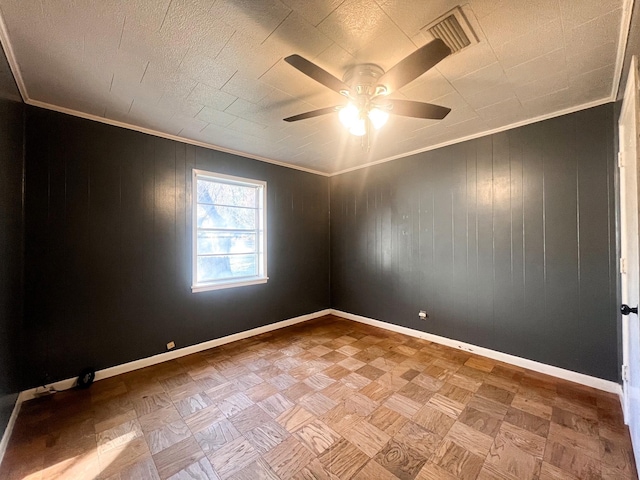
(629, 150)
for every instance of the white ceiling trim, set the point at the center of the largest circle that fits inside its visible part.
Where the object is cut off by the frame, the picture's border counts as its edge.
(621, 50)
(522, 123)
(625, 26)
(11, 58)
(129, 126)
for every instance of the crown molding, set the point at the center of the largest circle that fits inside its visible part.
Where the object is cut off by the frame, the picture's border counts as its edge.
(622, 44)
(11, 58)
(484, 133)
(623, 38)
(156, 133)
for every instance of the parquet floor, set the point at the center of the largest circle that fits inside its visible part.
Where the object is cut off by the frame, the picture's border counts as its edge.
(327, 399)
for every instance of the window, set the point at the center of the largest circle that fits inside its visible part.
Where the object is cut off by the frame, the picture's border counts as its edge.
(229, 231)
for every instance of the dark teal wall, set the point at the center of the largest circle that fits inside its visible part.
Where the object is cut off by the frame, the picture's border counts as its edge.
(108, 247)
(507, 241)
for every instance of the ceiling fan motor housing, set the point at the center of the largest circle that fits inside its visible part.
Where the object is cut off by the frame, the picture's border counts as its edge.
(363, 80)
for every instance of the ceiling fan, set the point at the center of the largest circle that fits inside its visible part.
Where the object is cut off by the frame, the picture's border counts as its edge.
(367, 86)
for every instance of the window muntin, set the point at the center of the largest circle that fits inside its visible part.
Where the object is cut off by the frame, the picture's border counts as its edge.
(229, 231)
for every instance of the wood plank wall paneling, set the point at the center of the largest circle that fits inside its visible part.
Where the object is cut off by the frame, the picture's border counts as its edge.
(108, 247)
(11, 239)
(507, 241)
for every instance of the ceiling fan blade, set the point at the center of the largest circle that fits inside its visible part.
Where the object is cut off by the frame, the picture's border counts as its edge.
(318, 74)
(414, 65)
(312, 113)
(408, 108)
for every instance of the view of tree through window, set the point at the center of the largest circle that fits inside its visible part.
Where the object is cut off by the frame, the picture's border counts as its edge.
(229, 229)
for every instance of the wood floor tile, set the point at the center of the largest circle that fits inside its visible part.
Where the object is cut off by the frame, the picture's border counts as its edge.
(177, 457)
(297, 391)
(387, 420)
(428, 382)
(433, 420)
(449, 407)
(616, 455)
(233, 457)
(376, 392)
(250, 418)
(367, 437)
(151, 403)
(402, 405)
(344, 459)
(234, 404)
(203, 418)
(319, 381)
(416, 393)
(549, 472)
(531, 406)
(457, 460)
(490, 407)
(117, 459)
(118, 436)
(158, 419)
(481, 421)
(529, 422)
(574, 422)
(294, 418)
(505, 457)
(431, 471)
(317, 436)
(288, 458)
(216, 436)
(469, 438)
(360, 404)
(324, 399)
(419, 438)
(317, 403)
(571, 460)
(191, 404)
(373, 470)
(496, 394)
(401, 460)
(267, 436)
(258, 470)
(276, 404)
(167, 435)
(523, 439)
(143, 469)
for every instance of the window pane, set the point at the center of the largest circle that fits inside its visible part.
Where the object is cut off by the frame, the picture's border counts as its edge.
(215, 216)
(226, 242)
(223, 193)
(218, 268)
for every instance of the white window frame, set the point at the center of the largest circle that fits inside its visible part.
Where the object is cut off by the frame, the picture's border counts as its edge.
(261, 235)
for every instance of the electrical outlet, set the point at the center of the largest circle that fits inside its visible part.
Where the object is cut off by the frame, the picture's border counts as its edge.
(422, 315)
(171, 345)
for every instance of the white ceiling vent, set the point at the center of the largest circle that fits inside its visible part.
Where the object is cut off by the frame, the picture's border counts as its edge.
(453, 29)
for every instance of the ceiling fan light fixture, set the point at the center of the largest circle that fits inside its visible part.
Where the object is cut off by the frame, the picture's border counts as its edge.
(378, 117)
(349, 115)
(359, 128)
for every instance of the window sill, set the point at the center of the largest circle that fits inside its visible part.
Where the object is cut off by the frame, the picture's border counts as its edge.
(221, 285)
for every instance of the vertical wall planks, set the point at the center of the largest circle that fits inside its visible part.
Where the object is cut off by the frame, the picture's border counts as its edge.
(108, 253)
(510, 250)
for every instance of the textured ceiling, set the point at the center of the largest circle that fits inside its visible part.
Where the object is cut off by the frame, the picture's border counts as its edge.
(212, 71)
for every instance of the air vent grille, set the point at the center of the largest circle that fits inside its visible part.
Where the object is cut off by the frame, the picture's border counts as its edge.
(452, 28)
(451, 33)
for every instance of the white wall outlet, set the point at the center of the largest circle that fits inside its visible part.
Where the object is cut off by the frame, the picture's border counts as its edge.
(422, 315)
(171, 345)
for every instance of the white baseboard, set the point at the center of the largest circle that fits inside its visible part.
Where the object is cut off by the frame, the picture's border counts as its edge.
(594, 382)
(581, 378)
(7, 432)
(173, 354)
